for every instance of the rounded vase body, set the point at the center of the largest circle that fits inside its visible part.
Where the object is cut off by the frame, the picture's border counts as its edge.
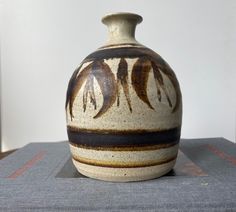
(124, 109)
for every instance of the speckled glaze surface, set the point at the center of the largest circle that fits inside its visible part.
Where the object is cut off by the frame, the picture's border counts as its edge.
(123, 109)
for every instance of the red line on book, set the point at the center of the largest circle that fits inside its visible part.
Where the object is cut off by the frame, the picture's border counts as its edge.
(27, 165)
(222, 154)
(186, 166)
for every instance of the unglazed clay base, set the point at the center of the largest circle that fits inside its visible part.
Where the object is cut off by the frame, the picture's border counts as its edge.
(124, 174)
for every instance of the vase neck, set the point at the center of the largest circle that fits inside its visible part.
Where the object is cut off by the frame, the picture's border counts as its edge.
(121, 28)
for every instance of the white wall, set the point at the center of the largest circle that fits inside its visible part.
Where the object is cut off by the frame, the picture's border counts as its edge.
(43, 41)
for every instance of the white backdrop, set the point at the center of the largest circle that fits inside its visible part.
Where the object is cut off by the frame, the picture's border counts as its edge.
(43, 41)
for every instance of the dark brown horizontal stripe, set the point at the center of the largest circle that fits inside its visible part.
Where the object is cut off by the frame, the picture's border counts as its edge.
(127, 52)
(127, 148)
(120, 139)
(122, 165)
(121, 44)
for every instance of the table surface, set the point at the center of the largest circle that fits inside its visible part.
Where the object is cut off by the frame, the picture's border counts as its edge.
(41, 177)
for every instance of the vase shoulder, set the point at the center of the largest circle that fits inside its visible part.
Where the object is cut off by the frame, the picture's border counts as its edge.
(120, 79)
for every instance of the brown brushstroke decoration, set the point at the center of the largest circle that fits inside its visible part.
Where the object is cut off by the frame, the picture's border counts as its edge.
(166, 70)
(134, 52)
(71, 86)
(122, 80)
(160, 83)
(139, 77)
(89, 90)
(140, 74)
(110, 87)
(76, 83)
(106, 81)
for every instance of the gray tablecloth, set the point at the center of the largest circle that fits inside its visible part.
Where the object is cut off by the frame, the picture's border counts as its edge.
(41, 177)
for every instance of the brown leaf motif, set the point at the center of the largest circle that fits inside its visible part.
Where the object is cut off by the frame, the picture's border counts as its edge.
(106, 81)
(89, 90)
(110, 87)
(74, 86)
(122, 80)
(139, 79)
(167, 71)
(140, 73)
(160, 83)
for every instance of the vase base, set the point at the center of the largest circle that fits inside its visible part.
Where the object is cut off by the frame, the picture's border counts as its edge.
(124, 174)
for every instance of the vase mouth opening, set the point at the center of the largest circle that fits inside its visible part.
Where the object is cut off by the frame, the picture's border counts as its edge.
(122, 15)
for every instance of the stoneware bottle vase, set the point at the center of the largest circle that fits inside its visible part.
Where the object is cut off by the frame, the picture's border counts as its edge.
(123, 108)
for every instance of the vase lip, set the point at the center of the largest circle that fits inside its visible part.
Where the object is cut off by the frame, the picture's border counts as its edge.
(124, 15)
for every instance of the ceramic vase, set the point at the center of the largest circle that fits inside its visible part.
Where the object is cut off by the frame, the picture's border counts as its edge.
(123, 108)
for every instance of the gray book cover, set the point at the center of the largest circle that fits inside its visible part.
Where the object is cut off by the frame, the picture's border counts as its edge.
(41, 177)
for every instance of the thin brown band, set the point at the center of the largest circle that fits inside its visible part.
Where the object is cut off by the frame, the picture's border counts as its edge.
(121, 44)
(126, 148)
(120, 165)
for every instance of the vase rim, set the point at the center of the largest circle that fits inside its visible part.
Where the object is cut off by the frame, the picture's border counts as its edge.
(125, 15)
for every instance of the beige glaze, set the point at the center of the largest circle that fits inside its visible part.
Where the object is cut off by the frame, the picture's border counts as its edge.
(124, 174)
(123, 109)
(121, 28)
